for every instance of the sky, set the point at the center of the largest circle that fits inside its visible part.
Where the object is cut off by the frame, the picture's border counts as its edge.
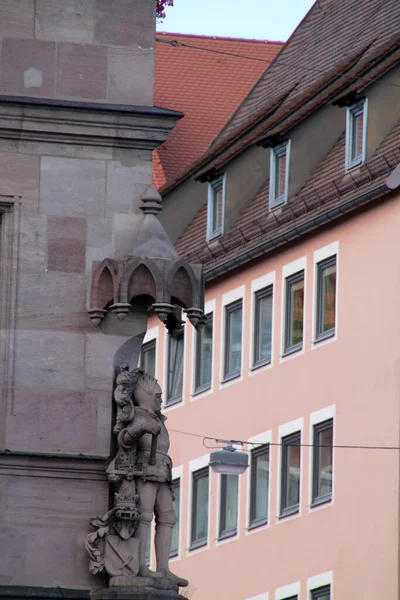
(256, 19)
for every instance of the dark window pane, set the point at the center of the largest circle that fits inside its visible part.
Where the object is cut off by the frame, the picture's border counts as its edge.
(323, 462)
(148, 548)
(263, 326)
(200, 508)
(290, 483)
(259, 486)
(175, 368)
(323, 593)
(326, 303)
(176, 487)
(294, 312)
(357, 134)
(233, 339)
(148, 358)
(229, 505)
(204, 355)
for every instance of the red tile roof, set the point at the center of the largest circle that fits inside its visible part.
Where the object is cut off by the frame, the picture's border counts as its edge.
(207, 87)
(328, 194)
(330, 51)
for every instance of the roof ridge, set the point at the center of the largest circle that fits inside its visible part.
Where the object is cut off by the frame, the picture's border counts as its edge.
(219, 37)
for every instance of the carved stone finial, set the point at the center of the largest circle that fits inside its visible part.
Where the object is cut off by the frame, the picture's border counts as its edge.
(151, 201)
(96, 315)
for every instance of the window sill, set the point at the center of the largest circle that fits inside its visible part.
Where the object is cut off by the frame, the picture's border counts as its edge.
(277, 202)
(257, 524)
(324, 336)
(289, 512)
(200, 390)
(231, 377)
(214, 235)
(198, 544)
(321, 501)
(173, 401)
(174, 554)
(225, 535)
(292, 350)
(261, 363)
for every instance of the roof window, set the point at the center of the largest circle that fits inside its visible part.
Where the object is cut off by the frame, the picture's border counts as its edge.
(356, 134)
(216, 208)
(279, 174)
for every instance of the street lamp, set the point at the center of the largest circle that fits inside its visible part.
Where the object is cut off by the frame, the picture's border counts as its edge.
(229, 461)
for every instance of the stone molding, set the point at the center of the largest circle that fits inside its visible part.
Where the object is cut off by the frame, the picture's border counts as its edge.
(84, 123)
(10, 215)
(14, 592)
(65, 466)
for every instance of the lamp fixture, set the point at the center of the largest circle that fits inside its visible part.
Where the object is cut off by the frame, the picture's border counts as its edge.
(229, 461)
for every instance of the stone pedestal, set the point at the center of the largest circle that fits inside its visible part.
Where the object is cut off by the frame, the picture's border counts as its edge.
(141, 591)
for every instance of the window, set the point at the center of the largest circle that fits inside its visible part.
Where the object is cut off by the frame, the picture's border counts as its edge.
(290, 477)
(175, 367)
(326, 298)
(228, 515)
(199, 529)
(322, 462)
(176, 488)
(322, 593)
(259, 486)
(262, 326)
(294, 312)
(203, 366)
(216, 208)
(148, 358)
(233, 340)
(148, 548)
(279, 174)
(356, 134)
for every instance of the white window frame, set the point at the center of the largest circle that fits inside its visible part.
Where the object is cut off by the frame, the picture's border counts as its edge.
(318, 581)
(228, 298)
(319, 416)
(209, 308)
(283, 431)
(151, 336)
(195, 465)
(297, 265)
(351, 111)
(287, 591)
(256, 285)
(277, 152)
(216, 183)
(168, 407)
(319, 256)
(177, 473)
(262, 439)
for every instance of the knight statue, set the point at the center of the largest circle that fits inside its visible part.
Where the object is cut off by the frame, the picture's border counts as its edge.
(141, 475)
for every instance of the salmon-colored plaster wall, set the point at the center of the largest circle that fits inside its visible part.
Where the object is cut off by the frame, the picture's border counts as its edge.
(356, 535)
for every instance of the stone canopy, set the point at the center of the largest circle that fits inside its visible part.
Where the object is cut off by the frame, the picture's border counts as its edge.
(151, 274)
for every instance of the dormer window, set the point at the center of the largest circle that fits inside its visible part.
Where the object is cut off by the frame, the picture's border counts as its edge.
(356, 134)
(279, 174)
(216, 208)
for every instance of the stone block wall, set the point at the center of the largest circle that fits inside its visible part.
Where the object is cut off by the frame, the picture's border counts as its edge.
(95, 50)
(74, 164)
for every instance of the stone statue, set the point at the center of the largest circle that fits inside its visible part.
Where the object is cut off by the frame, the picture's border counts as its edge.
(141, 473)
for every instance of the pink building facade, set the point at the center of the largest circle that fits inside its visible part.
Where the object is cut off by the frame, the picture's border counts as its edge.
(350, 379)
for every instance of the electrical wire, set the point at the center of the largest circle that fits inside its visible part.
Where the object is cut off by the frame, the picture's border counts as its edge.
(175, 43)
(242, 442)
